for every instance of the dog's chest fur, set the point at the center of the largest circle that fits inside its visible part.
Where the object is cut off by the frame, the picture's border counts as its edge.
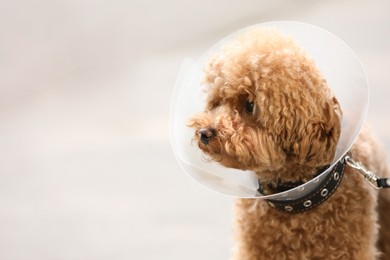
(336, 229)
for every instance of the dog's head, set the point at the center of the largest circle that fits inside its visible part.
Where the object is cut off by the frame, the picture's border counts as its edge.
(268, 107)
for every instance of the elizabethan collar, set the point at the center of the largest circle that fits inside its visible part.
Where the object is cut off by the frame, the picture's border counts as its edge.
(338, 64)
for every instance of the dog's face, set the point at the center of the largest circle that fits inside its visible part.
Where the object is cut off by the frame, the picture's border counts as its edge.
(268, 108)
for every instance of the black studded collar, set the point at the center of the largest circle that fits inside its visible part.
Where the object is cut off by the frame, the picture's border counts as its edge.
(317, 196)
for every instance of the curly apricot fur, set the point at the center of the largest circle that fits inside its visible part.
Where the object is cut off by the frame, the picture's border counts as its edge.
(292, 132)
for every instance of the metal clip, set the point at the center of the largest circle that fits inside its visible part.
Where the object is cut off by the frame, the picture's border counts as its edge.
(368, 175)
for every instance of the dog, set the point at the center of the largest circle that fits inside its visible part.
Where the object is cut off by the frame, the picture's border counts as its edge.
(270, 110)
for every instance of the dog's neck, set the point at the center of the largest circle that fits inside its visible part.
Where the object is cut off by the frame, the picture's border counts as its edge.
(290, 175)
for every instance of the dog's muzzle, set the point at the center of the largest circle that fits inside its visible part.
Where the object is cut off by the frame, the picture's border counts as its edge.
(206, 134)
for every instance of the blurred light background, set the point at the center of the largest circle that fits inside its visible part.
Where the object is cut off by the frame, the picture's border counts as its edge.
(86, 167)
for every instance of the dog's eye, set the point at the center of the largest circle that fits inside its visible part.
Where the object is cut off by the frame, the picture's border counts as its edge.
(249, 106)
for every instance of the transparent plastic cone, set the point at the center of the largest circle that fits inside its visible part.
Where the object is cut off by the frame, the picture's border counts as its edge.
(336, 61)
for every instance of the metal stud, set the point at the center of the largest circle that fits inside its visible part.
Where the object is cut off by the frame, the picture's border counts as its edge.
(307, 203)
(288, 208)
(271, 204)
(324, 192)
(336, 176)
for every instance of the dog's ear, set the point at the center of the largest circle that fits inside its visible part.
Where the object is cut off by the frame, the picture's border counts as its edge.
(318, 137)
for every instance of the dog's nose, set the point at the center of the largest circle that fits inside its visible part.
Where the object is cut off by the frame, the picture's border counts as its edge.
(206, 134)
